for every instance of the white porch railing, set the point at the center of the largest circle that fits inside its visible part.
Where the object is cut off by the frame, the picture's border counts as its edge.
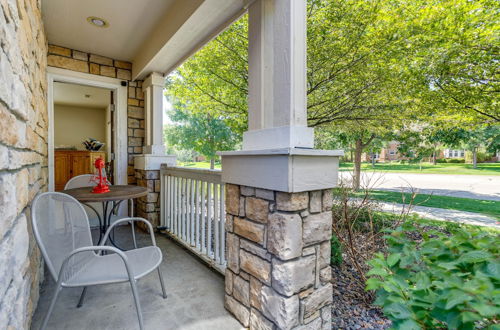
(192, 211)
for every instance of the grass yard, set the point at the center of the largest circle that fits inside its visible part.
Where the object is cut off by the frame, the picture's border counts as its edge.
(428, 168)
(491, 208)
(483, 169)
(199, 164)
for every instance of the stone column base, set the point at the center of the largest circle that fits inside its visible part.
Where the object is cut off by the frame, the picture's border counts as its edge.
(148, 207)
(147, 174)
(278, 258)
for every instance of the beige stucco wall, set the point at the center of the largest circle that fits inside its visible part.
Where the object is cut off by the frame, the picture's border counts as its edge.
(73, 125)
(23, 155)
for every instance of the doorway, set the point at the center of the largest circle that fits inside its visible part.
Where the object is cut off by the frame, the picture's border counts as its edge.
(84, 107)
(83, 128)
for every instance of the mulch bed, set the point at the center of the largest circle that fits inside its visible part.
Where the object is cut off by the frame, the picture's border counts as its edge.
(352, 308)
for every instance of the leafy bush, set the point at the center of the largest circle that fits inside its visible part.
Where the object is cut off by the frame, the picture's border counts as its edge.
(438, 280)
(455, 160)
(336, 256)
(481, 156)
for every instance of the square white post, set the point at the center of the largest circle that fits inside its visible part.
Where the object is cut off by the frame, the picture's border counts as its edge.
(154, 149)
(277, 115)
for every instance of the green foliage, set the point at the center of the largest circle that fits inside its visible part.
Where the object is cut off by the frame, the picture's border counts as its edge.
(202, 133)
(445, 280)
(215, 80)
(481, 156)
(336, 256)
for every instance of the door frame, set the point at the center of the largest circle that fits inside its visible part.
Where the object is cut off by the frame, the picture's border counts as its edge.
(120, 113)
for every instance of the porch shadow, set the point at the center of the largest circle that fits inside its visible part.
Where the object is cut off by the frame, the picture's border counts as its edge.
(195, 297)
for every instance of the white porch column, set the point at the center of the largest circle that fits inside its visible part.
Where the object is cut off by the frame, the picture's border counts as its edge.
(154, 149)
(278, 147)
(153, 95)
(278, 191)
(277, 114)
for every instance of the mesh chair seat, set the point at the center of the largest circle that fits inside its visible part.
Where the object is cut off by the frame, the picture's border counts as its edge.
(110, 268)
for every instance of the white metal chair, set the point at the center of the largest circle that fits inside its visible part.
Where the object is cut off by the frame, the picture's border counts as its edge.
(95, 211)
(62, 231)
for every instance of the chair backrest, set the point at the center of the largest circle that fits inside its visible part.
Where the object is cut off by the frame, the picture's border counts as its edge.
(84, 180)
(60, 225)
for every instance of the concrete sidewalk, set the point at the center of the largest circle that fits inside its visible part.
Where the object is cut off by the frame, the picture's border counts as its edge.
(444, 214)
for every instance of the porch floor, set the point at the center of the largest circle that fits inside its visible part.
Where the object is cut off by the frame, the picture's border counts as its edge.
(195, 297)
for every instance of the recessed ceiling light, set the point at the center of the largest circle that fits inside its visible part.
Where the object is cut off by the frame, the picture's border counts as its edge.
(96, 21)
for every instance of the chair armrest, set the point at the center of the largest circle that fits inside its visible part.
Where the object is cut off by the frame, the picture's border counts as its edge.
(95, 248)
(148, 224)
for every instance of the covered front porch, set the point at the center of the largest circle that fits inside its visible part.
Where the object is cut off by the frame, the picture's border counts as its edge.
(195, 296)
(264, 221)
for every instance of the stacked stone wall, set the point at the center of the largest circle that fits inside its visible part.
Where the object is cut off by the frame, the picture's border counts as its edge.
(79, 61)
(278, 258)
(148, 207)
(23, 156)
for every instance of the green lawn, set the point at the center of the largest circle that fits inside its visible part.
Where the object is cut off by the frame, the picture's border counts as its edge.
(198, 164)
(483, 169)
(491, 208)
(440, 168)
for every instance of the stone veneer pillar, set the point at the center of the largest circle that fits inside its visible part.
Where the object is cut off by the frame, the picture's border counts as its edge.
(148, 207)
(278, 259)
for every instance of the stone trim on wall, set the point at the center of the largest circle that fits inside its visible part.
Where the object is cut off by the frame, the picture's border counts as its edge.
(23, 156)
(278, 272)
(79, 61)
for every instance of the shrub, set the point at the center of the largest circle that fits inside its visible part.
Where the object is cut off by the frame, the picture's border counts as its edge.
(481, 156)
(439, 280)
(455, 160)
(336, 256)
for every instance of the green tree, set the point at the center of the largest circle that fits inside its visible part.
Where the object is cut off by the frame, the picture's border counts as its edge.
(200, 132)
(373, 66)
(472, 139)
(453, 55)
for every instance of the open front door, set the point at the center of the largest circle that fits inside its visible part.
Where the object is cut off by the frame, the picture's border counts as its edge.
(110, 138)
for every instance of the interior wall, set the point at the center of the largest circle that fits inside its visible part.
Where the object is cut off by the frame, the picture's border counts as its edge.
(73, 125)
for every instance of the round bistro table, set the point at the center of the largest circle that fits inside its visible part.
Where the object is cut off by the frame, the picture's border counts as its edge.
(110, 202)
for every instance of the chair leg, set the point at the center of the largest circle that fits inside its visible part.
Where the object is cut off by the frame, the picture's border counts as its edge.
(137, 302)
(133, 234)
(161, 283)
(51, 307)
(82, 297)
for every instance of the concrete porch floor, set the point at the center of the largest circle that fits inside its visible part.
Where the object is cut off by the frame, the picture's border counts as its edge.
(195, 297)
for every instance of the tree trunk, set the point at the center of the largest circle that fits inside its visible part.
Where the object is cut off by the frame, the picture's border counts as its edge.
(212, 163)
(434, 160)
(373, 159)
(474, 157)
(356, 179)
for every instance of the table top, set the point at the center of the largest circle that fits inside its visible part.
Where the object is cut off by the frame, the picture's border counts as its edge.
(116, 193)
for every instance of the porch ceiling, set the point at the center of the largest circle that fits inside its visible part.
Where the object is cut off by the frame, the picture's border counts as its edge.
(156, 35)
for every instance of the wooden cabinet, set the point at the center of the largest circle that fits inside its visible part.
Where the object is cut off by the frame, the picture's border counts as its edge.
(70, 163)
